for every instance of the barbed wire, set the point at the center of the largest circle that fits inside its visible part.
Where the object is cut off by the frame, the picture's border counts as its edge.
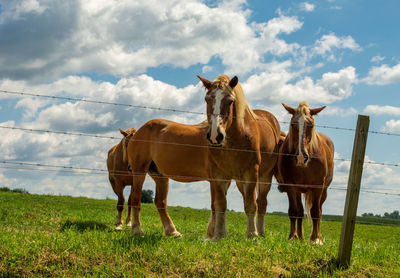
(180, 144)
(166, 109)
(97, 171)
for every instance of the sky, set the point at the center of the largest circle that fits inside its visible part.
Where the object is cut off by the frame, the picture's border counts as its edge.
(342, 54)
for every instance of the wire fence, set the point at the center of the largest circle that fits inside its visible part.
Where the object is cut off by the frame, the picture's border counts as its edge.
(166, 109)
(177, 144)
(27, 166)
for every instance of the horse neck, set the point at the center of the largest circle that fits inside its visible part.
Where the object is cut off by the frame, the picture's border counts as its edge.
(238, 128)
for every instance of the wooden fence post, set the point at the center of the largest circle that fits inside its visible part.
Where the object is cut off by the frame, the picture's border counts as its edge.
(353, 191)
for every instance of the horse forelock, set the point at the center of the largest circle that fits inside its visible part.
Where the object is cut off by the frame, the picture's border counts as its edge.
(241, 104)
(303, 111)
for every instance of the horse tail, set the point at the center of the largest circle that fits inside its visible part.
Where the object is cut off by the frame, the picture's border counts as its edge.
(308, 203)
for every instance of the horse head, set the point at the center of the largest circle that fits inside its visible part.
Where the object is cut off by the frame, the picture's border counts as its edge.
(125, 140)
(220, 99)
(302, 135)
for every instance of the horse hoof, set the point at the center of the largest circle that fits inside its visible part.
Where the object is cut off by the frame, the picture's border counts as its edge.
(129, 224)
(252, 235)
(317, 241)
(174, 234)
(137, 231)
(118, 228)
(217, 237)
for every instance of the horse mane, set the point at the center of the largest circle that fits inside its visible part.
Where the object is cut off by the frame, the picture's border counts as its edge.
(304, 110)
(203, 124)
(241, 104)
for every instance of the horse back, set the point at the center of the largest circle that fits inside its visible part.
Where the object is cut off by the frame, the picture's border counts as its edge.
(175, 149)
(268, 122)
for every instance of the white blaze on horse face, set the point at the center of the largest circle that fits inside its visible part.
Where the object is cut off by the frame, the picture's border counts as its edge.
(300, 158)
(216, 116)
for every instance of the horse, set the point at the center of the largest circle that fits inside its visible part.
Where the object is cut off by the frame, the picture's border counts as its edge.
(305, 165)
(186, 153)
(244, 145)
(119, 177)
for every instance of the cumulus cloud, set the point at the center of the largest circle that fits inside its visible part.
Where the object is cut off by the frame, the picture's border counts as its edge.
(275, 87)
(382, 110)
(392, 126)
(383, 75)
(307, 7)
(141, 91)
(14, 10)
(87, 36)
(327, 44)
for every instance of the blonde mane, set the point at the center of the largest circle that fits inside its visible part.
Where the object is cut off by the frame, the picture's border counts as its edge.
(241, 104)
(304, 110)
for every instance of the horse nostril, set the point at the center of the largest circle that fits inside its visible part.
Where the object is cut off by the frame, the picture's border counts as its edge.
(208, 135)
(219, 138)
(305, 158)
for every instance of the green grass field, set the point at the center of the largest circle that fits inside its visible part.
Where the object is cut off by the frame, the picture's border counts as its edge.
(64, 236)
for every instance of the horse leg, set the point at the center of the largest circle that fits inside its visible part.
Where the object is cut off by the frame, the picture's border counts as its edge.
(264, 187)
(136, 193)
(118, 189)
(129, 216)
(248, 190)
(316, 213)
(219, 207)
(300, 216)
(211, 223)
(160, 200)
(292, 213)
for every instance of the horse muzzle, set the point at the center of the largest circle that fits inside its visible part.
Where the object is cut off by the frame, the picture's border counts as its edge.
(219, 140)
(302, 159)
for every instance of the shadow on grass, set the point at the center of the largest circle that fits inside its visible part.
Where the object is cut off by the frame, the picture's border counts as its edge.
(82, 226)
(328, 266)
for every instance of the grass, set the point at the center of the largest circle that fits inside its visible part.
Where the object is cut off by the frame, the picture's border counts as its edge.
(64, 236)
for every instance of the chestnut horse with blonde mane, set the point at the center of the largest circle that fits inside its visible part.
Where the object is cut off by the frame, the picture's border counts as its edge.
(305, 165)
(119, 177)
(234, 143)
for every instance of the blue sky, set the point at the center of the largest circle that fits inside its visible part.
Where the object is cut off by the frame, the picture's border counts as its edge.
(342, 54)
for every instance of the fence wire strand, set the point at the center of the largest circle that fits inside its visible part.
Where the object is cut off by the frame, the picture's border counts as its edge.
(25, 94)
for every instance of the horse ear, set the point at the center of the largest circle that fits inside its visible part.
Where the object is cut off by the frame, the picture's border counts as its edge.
(315, 111)
(291, 110)
(207, 83)
(123, 132)
(233, 82)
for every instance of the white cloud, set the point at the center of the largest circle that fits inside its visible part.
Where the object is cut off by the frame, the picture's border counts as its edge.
(326, 45)
(275, 87)
(377, 59)
(30, 106)
(382, 110)
(141, 91)
(392, 126)
(14, 10)
(111, 39)
(383, 75)
(338, 111)
(307, 7)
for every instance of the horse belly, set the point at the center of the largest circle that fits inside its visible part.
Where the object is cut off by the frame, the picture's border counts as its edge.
(182, 163)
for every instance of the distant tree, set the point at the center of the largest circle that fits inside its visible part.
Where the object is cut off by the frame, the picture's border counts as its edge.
(367, 214)
(393, 215)
(147, 196)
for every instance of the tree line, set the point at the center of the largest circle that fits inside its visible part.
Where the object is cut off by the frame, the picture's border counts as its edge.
(393, 215)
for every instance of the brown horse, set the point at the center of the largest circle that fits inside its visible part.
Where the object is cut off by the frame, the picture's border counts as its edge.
(305, 165)
(189, 153)
(246, 143)
(119, 177)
